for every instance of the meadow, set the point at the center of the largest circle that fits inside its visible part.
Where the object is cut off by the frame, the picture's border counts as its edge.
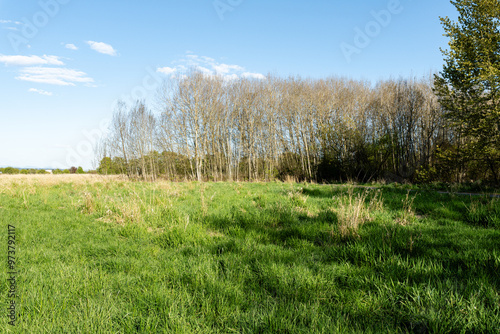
(107, 255)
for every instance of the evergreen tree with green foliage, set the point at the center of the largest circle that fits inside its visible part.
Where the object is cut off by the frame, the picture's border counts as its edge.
(469, 85)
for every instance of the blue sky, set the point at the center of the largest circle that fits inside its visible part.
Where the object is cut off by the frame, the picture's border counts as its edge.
(64, 63)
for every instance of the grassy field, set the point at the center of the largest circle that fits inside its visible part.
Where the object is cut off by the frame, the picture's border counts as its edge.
(105, 255)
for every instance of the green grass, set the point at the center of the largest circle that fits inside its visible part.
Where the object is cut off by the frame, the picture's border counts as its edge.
(127, 257)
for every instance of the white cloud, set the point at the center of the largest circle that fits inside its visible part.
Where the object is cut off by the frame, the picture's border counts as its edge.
(208, 59)
(204, 70)
(249, 75)
(166, 70)
(54, 76)
(209, 66)
(225, 68)
(231, 77)
(30, 60)
(40, 91)
(102, 48)
(10, 25)
(71, 46)
(9, 21)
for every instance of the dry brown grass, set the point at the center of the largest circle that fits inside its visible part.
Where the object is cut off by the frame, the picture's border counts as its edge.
(309, 212)
(298, 197)
(119, 209)
(352, 211)
(407, 215)
(290, 179)
(50, 179)
(90, 190)
(26, 186)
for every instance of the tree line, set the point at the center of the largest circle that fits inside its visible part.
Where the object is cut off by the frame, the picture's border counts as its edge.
(13, 170)
(444, 128)
(208, 128)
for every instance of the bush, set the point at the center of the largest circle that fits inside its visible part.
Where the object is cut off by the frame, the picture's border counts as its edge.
(10, 170)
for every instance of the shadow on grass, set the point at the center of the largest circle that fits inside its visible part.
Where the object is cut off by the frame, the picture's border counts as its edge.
(451, 258)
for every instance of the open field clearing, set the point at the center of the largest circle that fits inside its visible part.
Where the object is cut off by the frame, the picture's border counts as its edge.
(105, 255)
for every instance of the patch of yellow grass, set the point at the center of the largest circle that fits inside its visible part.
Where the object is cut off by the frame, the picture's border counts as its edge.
(308, 212)
(352, 212)
(51, 179)
(215, 234)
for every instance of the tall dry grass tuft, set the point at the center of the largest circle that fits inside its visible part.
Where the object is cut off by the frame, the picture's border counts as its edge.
(352, 211)
(204, 206)
(25, 199)
(351, 214)
(290, 179)
(376, 202)
(127, 212)
(89, 203)
(297, 197)
(112, 209)
(407, 215)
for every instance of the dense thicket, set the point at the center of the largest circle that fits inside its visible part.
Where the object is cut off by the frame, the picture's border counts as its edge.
(208, 128)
